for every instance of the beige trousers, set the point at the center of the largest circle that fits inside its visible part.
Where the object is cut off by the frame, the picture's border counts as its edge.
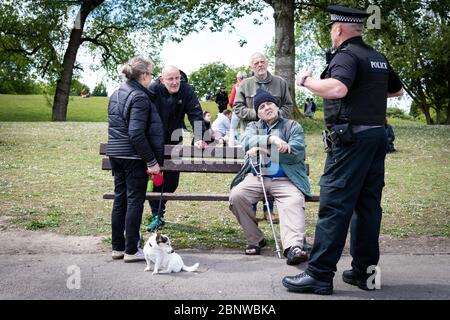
(290, 203)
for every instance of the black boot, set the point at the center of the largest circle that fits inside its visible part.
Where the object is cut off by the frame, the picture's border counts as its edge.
(304, 283)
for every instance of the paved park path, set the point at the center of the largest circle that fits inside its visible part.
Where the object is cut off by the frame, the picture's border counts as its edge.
(221, 276)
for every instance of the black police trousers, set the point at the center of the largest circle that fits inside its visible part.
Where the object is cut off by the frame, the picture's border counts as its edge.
(130, 185)
(350, 194)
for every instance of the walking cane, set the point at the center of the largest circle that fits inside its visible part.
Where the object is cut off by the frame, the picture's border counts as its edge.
(260, 176)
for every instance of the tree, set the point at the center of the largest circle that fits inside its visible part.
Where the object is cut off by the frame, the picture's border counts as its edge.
(76, 87)
(420, 29)
(16, 79)
(37, 32)
(415, 36)
(100, 90)
(210, 77)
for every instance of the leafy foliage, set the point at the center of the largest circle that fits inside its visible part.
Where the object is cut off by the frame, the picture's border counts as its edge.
(100, 90)
(396, 113)
(210, 77)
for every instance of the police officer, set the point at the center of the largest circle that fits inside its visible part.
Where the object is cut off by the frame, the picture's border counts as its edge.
(355, 85)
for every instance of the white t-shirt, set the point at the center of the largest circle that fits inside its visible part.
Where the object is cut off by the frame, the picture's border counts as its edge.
(221, 124)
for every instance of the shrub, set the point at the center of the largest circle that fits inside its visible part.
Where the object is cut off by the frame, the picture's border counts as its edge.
(397, 113)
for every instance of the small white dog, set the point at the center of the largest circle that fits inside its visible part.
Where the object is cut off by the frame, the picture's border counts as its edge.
(159, 251)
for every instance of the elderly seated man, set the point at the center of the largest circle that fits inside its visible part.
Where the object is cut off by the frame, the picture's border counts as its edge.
(284, 175)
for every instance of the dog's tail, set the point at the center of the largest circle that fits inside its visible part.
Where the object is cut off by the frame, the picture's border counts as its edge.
(191, 268)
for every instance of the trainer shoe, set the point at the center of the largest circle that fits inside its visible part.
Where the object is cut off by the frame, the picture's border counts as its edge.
(296, 256)
(138, 256)
(116, 255)
(157, 223)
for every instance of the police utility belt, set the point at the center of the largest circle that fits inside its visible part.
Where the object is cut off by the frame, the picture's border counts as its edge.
(342, 135)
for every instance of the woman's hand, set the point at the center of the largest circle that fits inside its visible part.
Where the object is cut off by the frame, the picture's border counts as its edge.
(153, 170)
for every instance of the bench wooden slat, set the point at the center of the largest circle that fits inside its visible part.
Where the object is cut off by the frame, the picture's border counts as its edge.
(203, 166)
(198, 166)
(191, 151)
(211, 160)
(192, 196)
(180, 196)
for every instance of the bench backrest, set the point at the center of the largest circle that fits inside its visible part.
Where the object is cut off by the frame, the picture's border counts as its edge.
(190, 159)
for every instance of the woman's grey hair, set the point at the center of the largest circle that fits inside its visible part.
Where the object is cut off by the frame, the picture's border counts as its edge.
(136, 67)
(241, 75)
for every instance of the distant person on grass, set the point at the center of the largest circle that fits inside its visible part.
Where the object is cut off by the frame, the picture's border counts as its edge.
(208, 136)
(174, 98)
(221, 126)
(233, 136)
(135, 148)
(222, 99)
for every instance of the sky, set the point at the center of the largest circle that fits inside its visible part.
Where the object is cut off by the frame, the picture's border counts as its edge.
(206, 47)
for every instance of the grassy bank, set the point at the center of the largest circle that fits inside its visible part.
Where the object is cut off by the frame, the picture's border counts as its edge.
(50, 179)
(39, 108)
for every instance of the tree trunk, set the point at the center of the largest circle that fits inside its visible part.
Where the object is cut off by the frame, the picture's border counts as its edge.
(422, 101)
(426, 111)
(285, 46)
(61, 99)
(448, 112)
(438, 115)
(448, 92)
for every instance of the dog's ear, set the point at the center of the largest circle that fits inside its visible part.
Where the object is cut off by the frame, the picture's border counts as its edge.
(158, 237)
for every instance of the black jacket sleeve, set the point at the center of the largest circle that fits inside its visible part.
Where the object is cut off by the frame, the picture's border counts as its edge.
(137, 127)
(194, 113)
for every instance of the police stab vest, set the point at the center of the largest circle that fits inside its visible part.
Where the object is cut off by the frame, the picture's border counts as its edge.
(366, 100)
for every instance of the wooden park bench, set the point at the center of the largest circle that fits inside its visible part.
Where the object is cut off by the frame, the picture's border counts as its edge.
(190, 159)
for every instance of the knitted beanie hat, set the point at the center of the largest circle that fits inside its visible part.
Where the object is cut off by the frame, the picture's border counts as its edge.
(263, 96)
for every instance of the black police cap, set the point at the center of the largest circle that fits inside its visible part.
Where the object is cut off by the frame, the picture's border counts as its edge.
(346, 15)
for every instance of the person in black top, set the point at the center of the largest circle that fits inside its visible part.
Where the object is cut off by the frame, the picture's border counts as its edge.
(310, 108)
(174, 98)
(208, 136)
(355, 87)
(135, 149)
(222, 99)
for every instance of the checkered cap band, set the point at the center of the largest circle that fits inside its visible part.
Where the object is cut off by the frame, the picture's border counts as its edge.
(347, 19)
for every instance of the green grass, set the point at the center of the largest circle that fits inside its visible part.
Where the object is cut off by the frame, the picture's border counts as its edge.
(50, 179)
(32, 108)
(39, 108)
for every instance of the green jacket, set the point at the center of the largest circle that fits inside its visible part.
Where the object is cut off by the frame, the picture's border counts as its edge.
(257, 134)
(243, 102)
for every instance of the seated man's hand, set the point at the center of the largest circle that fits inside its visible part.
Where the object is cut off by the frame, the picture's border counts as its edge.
(200, 144)
(281, 145)
(253, 152)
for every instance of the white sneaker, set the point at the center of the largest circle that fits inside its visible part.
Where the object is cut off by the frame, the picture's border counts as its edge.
(116, 255)
(138, 256)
